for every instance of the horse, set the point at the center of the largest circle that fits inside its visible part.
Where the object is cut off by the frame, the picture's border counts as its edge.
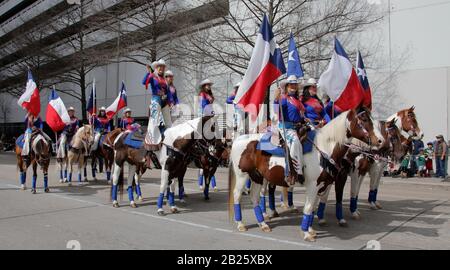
(196, 141)
(357, 150)
(79, 147)
(39, 155)
(104, 154)
(247, 161)
(408, 128)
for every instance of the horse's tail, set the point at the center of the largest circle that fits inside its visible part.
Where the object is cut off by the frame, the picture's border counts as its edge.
(231, 184)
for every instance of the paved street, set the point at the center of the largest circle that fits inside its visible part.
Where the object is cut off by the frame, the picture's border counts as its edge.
(415, 215)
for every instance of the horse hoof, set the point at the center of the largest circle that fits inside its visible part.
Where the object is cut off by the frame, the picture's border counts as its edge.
(23, 187)
(284, 206)
(373, 206)
(323, 223)
(242, 228)
(61, 180)
(312, 232)
(308, 237)
(343, 223)
(266, 217)
(33, 191)
(201, 188)
(356, 215)
(378, 205)
(115, 204)
(133, 205)
(274, 214)
(161, 212)
(174, 210)
(47, 190)
(266, 228)
(216, 189)
(65, 180)
(140, 199)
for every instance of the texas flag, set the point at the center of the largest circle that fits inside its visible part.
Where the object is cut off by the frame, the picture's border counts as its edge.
(340, 81)
(362, 76)
(294, 64)
(30, 100)
(119, 103)
(92, 103)
(57, 117)
(266, 65)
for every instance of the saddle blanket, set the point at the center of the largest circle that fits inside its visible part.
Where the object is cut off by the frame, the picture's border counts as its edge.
(308, 143)
(20, 141)
(266, 145)
(133, 142)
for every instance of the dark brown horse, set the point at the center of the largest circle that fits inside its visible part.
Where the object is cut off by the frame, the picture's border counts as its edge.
(320, 166)
(39, 155)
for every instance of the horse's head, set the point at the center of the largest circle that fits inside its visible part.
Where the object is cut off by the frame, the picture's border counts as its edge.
(408, 123)
(395, 142)
(86, 134)
(42, 153)
(361, 127)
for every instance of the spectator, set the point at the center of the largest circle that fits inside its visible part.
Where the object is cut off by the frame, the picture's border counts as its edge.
(429, 154)
(404, 166)
(440, 155)
(421, 163)
(417, 145)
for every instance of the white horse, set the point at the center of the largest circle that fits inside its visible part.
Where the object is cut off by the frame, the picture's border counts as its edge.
(80, 144)
(338, 132)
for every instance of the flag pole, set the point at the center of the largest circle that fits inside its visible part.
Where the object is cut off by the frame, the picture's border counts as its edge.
(94, 107)
(56, 133)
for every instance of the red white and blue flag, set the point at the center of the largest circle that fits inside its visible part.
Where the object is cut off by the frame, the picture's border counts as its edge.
(56, 117)
(340, 81)
(119, 103)
(92, 103)
(30, 100)
(266, 65)
(362, 76)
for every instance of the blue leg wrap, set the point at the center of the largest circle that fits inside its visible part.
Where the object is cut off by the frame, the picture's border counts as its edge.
(200, 180)
(339, 214)
(34, 181)
(93, 172)
(181, 192)
(79, 177)
(248, 183)
(138, 190)
(45, 181)
(371, 196)
(290, 198)
(321, 210)
(311, 219)
(375, 195)
(353, 204)
(262, 203)
(65, 173)
(306, 221)
(237, 212)
(258, 214)
(130, 193)
(69, 179)
(160, 200)
(167, 193)
(108, 176)
(272, 201)
(23, 177)
(281, 197)
(213, 181)
(85, 172)
(60, 174)
(114, 192)
(206, 192)
(172, 198)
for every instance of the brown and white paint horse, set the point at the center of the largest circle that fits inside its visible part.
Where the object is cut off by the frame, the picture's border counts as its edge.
(39, 155)
(351, 124)
(408, 128)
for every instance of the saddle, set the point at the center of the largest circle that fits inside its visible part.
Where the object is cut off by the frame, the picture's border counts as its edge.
(134, 141)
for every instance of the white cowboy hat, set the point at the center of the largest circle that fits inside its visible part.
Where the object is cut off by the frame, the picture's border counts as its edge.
(102, 108)
(70, 109)
(207, 81)
(310, 82)
(127, 110)
(153, 65)
(161, 62)
(289, 80)
(237, 85)
(168, 73)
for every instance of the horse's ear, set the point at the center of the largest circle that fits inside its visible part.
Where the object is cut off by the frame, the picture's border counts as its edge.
(394, 120)
(412, 108)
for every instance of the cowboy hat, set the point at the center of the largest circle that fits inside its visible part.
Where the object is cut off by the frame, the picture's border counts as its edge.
(127, 110)
(289, 80)
(205, 82)
(439, 137)
(102, 108)
(310, 82)
(161, 62)
(153, 65)
(71, 109)
(168, 73)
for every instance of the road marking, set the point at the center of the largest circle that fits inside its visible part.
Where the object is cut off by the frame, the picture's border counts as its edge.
(192, 224)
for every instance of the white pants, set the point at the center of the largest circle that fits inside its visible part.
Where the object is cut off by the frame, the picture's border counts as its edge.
(26, 145)
(295, 149)
(61, 148)
(157, 116)
(96, 139)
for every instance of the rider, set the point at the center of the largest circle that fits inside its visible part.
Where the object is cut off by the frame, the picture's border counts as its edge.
(314, 109)
(206, 99)
(32, 123)
(127, 121)
(159, 119)
(238, 114)
(293, 115)
(68, 132)
(102, 125)
(172, 97)
(331, 109)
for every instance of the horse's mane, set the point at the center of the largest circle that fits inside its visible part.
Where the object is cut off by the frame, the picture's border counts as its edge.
(333, 133)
